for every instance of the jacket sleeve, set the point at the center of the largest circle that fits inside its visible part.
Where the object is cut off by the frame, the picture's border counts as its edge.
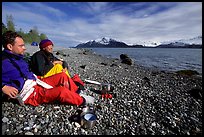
(64, 63)
(10, 76)
(5, 81)
(55, 58)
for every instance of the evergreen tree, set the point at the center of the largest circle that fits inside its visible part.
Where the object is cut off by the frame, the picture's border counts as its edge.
(43, 36)
(10, 23)
(35, 35)
(4, 29)
(21, 33)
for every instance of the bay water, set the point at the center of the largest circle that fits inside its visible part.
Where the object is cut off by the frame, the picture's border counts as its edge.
(166, 59)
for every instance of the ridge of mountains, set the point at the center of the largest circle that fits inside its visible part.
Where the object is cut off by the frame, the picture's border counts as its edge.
(105, 42)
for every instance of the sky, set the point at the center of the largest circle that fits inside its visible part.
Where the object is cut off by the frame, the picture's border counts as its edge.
(68, 24)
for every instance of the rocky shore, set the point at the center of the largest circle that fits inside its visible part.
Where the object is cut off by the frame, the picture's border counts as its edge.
(145, 102)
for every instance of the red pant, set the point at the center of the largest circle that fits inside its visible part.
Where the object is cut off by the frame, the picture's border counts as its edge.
(64, 91)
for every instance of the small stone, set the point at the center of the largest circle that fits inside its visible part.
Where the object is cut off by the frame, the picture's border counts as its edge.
(35, 130)
(77, 124)
(56, 107)
(153, 124)
(29, 133)
(27, 128)
(5, 119)
(21, 115)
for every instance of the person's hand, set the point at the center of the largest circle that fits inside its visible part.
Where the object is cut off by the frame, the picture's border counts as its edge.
(64, 70)
(10, 91)
(57, 62)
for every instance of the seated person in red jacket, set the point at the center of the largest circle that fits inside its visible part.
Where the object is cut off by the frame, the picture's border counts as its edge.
(17, 77)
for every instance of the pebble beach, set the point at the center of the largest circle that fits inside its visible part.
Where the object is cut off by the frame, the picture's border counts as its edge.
(144, 101)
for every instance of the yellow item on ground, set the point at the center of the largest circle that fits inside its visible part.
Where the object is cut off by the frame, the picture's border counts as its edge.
(55, 70)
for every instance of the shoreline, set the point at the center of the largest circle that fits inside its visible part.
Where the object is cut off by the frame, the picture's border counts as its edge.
(150, 66)
(145, 102)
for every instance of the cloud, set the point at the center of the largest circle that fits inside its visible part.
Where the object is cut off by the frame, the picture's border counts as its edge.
(71, 23)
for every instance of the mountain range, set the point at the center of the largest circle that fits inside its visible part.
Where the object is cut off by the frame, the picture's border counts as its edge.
(105, 42)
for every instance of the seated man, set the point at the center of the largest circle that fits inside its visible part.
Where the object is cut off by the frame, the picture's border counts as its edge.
(16, 75)
(44, 63)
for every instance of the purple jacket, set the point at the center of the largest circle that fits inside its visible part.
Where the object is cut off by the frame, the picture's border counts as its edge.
(11, 76)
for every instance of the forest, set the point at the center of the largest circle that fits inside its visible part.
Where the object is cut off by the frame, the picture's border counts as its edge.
(32, 36)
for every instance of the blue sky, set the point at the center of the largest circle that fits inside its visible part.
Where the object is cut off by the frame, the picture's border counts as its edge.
(68, 24)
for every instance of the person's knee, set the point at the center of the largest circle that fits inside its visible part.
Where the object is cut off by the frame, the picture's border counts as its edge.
(63, 74)
(69, 97)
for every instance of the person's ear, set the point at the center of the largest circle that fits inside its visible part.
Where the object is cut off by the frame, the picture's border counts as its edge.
(9, 46)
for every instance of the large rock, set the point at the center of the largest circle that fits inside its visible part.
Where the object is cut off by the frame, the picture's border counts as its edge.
(123, 56)
(187, 72)
(125, 59)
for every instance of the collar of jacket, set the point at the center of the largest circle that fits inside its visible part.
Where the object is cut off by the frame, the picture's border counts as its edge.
(46, 52)
(12, 55)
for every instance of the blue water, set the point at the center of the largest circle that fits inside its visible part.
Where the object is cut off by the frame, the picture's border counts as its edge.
(167, 59)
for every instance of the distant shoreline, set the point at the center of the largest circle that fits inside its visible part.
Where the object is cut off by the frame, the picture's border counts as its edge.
(115, 54)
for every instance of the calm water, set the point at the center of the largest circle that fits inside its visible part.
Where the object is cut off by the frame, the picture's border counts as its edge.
(169, 59)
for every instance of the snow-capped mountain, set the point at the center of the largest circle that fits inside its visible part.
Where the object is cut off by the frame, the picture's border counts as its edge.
(148, 43)
(195, 42)
(105, 42)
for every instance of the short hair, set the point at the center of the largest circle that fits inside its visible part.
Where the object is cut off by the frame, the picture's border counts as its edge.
(9, 38)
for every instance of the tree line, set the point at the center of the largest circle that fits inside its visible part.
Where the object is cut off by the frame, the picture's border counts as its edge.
(32, 36)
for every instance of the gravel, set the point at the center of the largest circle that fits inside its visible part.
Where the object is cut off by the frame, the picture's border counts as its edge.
(145, 102)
